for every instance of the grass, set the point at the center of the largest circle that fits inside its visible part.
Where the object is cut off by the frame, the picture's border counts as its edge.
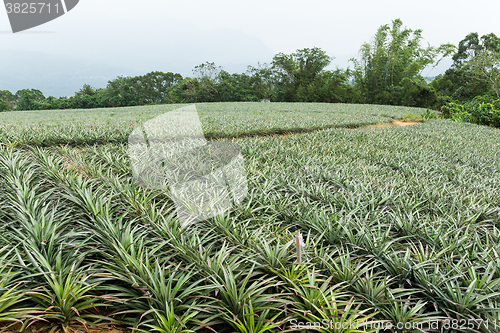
(400, 224)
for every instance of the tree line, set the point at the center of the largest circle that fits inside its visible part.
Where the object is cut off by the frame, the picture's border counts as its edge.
(389, 71)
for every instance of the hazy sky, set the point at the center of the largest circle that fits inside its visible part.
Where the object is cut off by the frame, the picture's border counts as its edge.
(130, 37)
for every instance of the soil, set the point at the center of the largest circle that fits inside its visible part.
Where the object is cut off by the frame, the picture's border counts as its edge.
(395, 123)
(404, 123)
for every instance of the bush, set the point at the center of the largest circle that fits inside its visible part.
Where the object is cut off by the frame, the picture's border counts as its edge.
(429, 114)
(481, 110)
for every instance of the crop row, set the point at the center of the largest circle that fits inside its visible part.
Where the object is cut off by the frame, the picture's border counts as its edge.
(88, 127)
(400, 225)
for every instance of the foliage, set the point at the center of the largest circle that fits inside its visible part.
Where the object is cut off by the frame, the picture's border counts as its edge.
(7, 100)
(237, 88)
(29, 99)
(485, 68)
(390, 68)
(208, 70)
(3, 105)
(472, 46)
(293, 73)
(481, 110)
(154, 87)
(429, 115)
(186, 91)
(474, 58)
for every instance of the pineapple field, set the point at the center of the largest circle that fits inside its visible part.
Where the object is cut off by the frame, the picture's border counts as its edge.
(400, 225)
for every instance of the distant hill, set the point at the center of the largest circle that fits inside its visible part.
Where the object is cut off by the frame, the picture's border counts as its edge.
(142, 49)
(55, 75)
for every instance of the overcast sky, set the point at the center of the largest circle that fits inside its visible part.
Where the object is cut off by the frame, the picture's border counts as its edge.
(128, 37)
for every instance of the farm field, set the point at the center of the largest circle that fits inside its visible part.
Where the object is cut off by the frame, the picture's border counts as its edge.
(84, 127)
(400, 224)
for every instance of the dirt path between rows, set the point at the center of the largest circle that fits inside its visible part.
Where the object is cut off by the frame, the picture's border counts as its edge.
(395, 123)
(404, 123)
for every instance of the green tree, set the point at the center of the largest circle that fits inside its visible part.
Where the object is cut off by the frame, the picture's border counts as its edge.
(464, 80)
(54, 103)
(208, 75)
(391, 65)
(261, 80)
(186, 91)
(29, 99)
(155, 86)
(293, 73)
(485, 67)
(208, 70)
(86, 90)
(3, 105)
(86, 98)
(9, 99)
(328, 87)
(235, 88)
(121, 91)
(472, 46)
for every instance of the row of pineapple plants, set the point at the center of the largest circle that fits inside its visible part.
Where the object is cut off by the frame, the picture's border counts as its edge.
(391, 236)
